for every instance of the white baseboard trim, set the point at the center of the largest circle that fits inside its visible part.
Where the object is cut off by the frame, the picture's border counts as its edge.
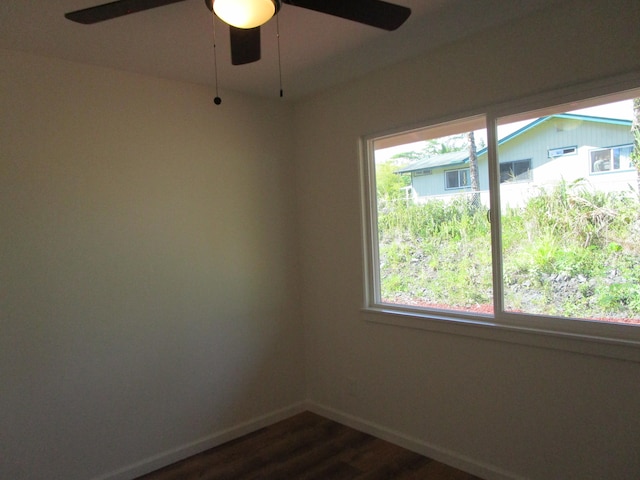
(147, 465)
(462, 462)
(168, 457)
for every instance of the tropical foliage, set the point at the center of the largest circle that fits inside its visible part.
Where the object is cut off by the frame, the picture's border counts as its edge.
(570, 251)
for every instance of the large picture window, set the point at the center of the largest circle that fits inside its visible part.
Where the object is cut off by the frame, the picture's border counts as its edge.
(502, 230)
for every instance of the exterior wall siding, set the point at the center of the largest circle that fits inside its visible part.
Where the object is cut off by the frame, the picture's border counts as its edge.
(535, 145)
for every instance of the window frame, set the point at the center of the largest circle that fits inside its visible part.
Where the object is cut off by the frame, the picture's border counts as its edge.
(612, 157)
(574, 151)
(516, 180)
(459, 171)
(610, 340)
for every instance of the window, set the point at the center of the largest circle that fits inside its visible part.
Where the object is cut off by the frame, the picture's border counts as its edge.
(421, 260)
(457, 178)
(518, 171)
(559, 152)
(482, 242)
(610, 159)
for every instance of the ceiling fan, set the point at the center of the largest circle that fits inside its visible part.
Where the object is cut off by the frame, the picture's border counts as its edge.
(245, 16)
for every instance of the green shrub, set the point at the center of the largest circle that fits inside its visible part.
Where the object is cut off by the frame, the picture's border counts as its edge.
(441, 252)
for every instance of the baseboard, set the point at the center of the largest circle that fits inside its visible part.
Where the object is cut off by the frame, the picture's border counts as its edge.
(470, 465)
(473, 466)
(168, 457)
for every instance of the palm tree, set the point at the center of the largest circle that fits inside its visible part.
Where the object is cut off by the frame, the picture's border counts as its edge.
(635, 131)
(473, 170)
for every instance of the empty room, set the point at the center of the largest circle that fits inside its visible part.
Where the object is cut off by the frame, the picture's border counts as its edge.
(201, 240)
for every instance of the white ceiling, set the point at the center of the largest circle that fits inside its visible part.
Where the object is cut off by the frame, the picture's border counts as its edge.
(176, 41)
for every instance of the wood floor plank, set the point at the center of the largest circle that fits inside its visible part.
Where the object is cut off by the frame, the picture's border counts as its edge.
(308, 447)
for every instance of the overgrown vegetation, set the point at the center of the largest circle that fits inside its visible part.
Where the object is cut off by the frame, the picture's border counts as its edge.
(570, 251)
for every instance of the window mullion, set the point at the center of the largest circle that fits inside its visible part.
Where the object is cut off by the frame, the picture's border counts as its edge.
(370, 225)
(494, 216)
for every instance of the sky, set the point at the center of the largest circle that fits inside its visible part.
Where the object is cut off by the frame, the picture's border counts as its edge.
(621, 110)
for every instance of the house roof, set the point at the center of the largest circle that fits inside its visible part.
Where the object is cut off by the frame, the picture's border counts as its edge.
(570, 116)
(462, 157)
(443, 160)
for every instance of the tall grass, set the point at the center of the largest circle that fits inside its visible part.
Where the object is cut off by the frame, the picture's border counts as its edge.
(569, 251)
(432, 252)
(577, 250)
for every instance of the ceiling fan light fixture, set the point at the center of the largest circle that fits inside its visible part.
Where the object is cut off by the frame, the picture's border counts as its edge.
(245, 13)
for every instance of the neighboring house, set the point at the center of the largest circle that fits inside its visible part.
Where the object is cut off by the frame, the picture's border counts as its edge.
(549, 149)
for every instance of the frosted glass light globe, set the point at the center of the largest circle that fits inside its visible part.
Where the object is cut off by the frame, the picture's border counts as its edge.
(245, 13)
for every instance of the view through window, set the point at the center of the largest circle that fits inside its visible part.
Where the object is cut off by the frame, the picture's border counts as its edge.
(568, 222)
(434, 242)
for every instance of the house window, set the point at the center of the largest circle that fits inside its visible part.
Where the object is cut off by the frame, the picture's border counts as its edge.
(610, 159)
(518, 171)
(457, 178)
(560, 152)
(558, 256)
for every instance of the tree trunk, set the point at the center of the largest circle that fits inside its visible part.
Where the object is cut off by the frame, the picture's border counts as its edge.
(635, 131)
(473, 170)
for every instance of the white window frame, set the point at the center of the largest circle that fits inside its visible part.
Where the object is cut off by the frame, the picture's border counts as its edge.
(588, 337)
(562, 151)
(610, 149)
(459, 172)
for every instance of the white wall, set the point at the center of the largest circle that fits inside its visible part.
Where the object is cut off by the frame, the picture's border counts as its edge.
(502, 410)
(148, 303)
(148, 276)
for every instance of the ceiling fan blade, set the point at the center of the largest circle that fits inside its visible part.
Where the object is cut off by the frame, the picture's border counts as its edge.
(245, 45)
(375, 13)
(119, 8)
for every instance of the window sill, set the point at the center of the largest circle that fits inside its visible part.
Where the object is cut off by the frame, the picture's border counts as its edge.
(488, 329)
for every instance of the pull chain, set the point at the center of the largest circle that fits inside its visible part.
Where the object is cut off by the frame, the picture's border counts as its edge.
(279, 61)
(217, 100)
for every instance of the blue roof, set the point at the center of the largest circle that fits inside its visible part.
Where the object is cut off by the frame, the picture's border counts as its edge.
(570, 116)
(462, 157)
(442, 160)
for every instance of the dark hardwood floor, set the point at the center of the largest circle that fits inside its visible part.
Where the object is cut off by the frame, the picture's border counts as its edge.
(306, 447)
